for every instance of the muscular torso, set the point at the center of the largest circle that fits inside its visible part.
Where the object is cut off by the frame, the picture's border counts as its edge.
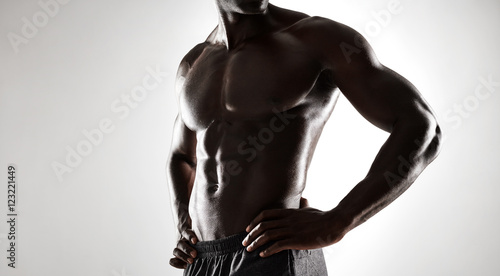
(257, 111)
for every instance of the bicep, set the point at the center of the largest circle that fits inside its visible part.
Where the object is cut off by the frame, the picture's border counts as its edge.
(379, 94)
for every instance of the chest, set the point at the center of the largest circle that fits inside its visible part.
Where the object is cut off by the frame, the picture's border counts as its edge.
(273, 73)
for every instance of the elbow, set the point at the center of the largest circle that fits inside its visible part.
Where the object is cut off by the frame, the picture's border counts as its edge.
(427, 133)
(436, 141)
(434, 137)
(178, 157)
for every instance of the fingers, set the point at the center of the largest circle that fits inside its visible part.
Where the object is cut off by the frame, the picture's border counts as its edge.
(266, 215)
(184, 253)
(177, 263)
(186, 248)
(183, 256)
(258, 230)
(268, 236)
(190, 236)
(274, 248)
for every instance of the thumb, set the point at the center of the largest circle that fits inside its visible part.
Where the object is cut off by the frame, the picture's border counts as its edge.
(303, 202)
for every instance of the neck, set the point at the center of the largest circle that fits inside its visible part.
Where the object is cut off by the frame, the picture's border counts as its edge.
(234, 28)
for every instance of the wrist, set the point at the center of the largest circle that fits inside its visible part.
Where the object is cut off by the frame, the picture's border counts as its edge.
(340, 222)
(184, 224)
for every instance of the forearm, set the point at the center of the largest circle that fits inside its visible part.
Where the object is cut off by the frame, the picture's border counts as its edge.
(408, 150)
(180, 176)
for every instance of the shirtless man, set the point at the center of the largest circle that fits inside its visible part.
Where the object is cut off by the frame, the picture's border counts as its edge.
(253, 100)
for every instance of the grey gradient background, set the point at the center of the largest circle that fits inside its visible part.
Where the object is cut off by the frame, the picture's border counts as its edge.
(111, 216)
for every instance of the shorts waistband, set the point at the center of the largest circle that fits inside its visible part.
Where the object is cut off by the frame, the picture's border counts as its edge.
(219, 247)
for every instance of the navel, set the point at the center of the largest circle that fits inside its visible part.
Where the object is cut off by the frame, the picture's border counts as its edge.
(213, 188)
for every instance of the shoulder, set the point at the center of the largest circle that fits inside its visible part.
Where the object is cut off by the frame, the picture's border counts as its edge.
(313, 30)
(186, 64)
(320, 29)
(188, 60)
(333, 41)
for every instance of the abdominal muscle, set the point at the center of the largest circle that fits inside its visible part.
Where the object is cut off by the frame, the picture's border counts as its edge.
(226, 213)
(232, 188)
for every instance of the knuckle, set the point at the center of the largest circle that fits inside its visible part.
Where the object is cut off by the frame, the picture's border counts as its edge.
(272, 234)
(263, 239)
(179, 254)
(264, 225)
(185, 233)
(257, 242)
(259, 227)
(181, 246)
(265, 213)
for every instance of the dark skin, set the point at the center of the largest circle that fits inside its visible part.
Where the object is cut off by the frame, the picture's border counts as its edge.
(253, 100)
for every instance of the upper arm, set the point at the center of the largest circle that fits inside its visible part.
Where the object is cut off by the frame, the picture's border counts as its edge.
(379, 94)
(183, 142)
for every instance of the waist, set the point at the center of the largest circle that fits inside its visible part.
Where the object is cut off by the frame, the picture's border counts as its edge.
(230, 210)
(221, 246)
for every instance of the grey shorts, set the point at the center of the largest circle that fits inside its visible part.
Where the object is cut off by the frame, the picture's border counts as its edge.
(228, 257)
